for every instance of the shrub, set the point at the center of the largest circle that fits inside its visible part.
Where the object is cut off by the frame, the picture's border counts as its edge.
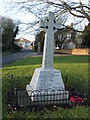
(35, 47)
(17, 48)
(3, 48)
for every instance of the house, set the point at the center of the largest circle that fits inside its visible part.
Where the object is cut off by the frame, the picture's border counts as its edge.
(65, 38)
(22, 42)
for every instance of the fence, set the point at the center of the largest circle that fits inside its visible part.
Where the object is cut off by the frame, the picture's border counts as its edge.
(83, 51)
(18, 98)
(37, 97)
(77, 51)
(63, 51)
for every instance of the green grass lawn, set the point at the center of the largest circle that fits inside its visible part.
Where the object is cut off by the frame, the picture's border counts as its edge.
(23, 69)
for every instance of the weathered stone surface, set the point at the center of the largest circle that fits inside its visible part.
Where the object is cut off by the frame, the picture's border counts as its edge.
(47, 77)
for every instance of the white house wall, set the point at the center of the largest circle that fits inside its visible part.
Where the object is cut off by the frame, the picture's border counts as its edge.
(71, 45)
(18, 43)
(23, 44)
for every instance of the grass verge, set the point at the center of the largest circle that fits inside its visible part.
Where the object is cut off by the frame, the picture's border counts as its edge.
(23, 69)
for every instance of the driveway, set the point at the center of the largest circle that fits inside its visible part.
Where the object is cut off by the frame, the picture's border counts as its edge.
(15, 56)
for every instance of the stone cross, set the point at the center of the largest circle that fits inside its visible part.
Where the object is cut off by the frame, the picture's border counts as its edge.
(47, 78)
(50, 25)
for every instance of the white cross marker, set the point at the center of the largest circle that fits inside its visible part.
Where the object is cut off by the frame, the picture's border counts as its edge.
(47, 78)
(49, 24)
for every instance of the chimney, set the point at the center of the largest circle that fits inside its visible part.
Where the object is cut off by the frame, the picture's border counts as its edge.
(71, 25)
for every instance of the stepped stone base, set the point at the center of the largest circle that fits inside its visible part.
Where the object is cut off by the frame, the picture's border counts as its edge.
(46, 79)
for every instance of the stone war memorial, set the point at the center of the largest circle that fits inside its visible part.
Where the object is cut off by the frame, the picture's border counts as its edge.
(47, 78)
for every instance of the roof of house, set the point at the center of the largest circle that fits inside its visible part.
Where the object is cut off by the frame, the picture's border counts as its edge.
(22, 40)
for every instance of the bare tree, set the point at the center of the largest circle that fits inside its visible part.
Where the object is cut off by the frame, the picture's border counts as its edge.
(63, 10)
(77, 9)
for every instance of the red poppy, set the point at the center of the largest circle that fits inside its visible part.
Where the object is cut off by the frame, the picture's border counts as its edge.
(76, 99)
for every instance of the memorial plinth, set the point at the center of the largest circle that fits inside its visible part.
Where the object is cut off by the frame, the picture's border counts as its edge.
(47, 78)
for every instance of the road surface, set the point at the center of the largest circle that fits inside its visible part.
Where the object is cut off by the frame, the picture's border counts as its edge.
(6, 59)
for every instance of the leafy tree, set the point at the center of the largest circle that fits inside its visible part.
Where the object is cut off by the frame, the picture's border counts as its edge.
(14, 35)
(86, 36)
(9, 31)
(35, 46)
(40, 38)
(16, 31)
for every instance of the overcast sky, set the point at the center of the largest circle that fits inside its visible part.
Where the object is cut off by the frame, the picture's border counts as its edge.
(23, 17)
